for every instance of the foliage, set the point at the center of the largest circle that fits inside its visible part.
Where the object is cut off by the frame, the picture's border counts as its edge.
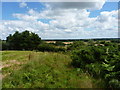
(59, 43)
(46, 47)
(23, 41)
(43, 70)
(29, 41)
(4, 45)
(50, 48)
(100, 61)
(76, 45)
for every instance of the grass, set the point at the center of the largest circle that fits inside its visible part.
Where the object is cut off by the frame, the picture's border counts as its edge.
(43, 70)
(14, 55)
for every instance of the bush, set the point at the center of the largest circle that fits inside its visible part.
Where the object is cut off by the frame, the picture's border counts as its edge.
(50, 48)
(88, 55)
(46, 47)
(59, 43)
(76, 45)
(99, 61)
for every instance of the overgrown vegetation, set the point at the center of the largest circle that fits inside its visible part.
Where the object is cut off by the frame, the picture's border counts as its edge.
(44, 70)
(100, 61)
(50, 48)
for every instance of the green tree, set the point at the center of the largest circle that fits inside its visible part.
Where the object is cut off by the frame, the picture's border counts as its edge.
(23, 41)
(59, 43)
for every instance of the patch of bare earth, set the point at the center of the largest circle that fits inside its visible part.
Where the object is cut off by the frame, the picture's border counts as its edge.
(10, 64)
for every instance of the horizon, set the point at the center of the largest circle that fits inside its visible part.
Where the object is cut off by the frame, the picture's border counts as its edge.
(60, 20)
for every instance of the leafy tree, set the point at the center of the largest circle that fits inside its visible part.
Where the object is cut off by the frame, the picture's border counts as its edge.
(23, 41)
(4, 45)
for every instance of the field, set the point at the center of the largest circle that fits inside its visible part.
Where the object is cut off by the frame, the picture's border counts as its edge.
(30, 69)
(81, 64)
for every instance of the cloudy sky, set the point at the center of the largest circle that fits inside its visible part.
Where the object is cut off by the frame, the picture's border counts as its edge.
(61, 20)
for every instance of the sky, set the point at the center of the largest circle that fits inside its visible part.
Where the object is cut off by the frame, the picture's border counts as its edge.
(61, 20)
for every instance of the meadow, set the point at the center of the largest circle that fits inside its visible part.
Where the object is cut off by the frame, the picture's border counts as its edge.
(30, 69)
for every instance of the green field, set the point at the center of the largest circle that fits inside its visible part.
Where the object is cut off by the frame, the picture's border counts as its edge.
(29, 69)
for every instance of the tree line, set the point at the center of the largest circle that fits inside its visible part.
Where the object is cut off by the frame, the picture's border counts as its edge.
(29, 41)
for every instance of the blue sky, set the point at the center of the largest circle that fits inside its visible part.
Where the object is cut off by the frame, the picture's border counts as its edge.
(108, 6)
(8, 8)
(60, 21)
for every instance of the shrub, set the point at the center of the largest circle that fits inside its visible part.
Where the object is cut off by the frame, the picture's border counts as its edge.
(76, 45)
(99, 61)
(59, 43)
(87, 55)
(50, 48)
(46, 47)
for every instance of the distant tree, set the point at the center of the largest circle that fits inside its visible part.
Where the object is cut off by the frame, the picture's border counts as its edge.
(91, 42)
(59, 43)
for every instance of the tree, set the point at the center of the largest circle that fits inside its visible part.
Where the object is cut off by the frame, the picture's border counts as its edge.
(23, 41)
(59, 43)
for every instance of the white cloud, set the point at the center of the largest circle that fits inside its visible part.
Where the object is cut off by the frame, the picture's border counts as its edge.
(25, 17)
(23, 4)
(65, 23)
(21, 25)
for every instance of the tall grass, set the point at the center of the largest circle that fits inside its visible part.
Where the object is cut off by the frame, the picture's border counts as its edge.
(46, 70)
